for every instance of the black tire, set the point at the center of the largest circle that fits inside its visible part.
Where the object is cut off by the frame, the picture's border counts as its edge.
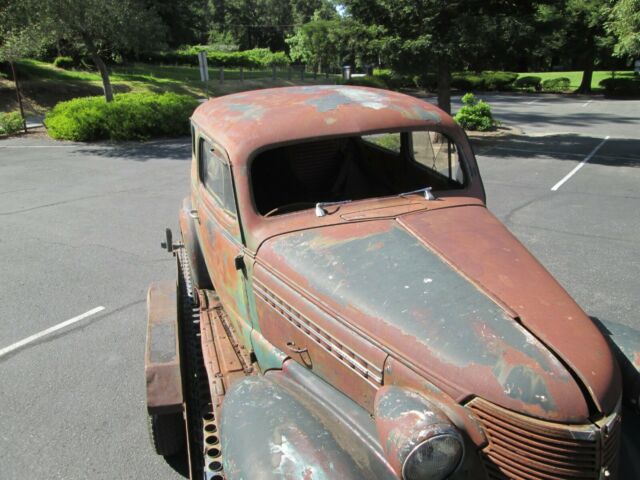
(167, 433)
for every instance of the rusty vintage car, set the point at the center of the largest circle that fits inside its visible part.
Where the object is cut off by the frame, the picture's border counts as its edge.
(347, 307)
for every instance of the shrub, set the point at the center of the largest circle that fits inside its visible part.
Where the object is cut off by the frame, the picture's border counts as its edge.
(621, 86)
(130, 116)
(467, 81)
(529, 82)
(559, 84)
(64, 62)
(498, 80)
(367, 81)
(10, 123)
(475, 114)
(256, 58)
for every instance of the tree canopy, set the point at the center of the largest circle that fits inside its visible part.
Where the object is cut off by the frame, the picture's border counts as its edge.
(624, 23)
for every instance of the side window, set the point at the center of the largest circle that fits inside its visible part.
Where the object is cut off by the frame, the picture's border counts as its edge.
(215, 174)
(436, 152)
(388, 141)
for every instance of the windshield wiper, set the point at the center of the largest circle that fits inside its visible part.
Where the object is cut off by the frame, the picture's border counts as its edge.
(321, 212)
(427, 193)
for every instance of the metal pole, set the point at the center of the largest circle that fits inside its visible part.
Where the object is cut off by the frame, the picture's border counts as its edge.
(15, 79)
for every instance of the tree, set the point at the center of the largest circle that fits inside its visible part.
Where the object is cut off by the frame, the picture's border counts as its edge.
(421, 36)
(624, 23)
(101, 27)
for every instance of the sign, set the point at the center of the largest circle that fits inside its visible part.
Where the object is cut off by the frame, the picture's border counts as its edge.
(204, 69)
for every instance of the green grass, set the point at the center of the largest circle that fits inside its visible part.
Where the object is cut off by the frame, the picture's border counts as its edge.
(576, 77)
(45, 85)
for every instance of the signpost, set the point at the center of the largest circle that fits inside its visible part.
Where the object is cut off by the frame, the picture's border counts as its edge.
(204, 69)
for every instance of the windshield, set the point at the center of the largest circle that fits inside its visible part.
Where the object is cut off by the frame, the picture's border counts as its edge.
(298, 177)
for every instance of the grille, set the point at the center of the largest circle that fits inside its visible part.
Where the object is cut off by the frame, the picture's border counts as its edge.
(524, 448)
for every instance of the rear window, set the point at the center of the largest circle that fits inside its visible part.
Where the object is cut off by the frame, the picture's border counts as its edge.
(296, 177)
(215, 174)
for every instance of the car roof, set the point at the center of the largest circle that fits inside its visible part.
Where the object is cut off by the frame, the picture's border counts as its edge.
(245, 122)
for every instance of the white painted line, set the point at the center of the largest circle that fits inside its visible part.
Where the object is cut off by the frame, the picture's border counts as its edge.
(49, 330)
(587, 103)
(533, 101)
(579, 166)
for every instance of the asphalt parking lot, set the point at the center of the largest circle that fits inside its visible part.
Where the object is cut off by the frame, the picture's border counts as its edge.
(80, 227)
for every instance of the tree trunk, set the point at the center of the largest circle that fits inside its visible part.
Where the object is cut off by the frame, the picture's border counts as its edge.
(444, 85)
(102, 68)
(587, 75)
(19, 95)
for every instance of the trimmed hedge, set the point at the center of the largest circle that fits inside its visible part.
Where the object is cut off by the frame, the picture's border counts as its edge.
(367, 81)
(64, 62)
(256, 58)
(559, 84)
(10, 123)
(475, 114)
(621, 86)
(529, 82)
(131, 116)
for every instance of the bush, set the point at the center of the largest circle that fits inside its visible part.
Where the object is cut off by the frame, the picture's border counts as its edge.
(475, 114)
(559, 84)
(10, 123)
(498, 80)
(394, 80)
(130, 116)
(367, 81)
(64, 62)
(529, 82)
(621, 86)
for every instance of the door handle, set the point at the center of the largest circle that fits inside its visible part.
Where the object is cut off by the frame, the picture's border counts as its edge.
(194, 214)
(292, 346)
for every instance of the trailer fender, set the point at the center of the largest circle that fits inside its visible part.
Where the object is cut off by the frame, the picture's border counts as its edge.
(199, 273)
(162, 353)
(290, 424)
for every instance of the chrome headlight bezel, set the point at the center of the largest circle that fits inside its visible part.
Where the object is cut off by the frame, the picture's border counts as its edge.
(444, 431)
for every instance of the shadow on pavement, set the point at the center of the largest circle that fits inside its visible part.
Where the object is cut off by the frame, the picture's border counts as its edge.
(166, 149)
(621, 152)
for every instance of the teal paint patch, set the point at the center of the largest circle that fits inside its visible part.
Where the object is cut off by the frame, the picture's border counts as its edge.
(338, 96)
(269, 357)
(393, 277)
(419, 113)
(250, 111)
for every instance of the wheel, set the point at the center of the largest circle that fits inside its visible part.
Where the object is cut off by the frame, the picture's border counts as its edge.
(167, 433)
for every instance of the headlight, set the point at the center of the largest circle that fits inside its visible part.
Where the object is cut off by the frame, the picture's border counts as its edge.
(418, 439)
(435, 458)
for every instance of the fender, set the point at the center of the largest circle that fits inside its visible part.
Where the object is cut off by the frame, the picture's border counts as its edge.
(199, 272)
(162, 353)
(290, 424)
(625, 342)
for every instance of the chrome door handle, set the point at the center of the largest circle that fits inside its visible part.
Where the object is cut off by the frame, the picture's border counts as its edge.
(194, 214)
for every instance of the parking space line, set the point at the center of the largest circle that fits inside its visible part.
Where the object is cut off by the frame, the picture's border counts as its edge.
(48, 331)
(579, 166)
(587, 103)
(533, 101)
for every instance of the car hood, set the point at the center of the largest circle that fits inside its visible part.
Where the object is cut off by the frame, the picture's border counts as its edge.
(463, 307)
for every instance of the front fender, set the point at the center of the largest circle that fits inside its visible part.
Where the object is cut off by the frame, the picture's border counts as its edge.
(289, 424)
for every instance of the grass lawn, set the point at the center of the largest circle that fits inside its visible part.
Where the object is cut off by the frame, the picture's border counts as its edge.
(576, 77)
(44, 85)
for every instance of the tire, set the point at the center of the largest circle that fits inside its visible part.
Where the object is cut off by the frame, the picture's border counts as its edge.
(167, 433)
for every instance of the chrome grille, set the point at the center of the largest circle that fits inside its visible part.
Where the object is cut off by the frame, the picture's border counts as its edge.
(525, 448)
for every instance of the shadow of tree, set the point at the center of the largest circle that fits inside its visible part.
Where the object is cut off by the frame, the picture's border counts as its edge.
(159, 149)
(566, 146)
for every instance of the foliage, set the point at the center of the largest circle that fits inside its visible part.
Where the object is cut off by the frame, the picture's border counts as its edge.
(130, 116)
(367, 81)
(10, 123)
(559, 84)
(394, 80)
(487, 80)
(64, 62)
(529, 82)
(475, 114)
(327, 44)
(624, 23)
(256, 58)
(390, 141)
(621, 86)
(424, 36)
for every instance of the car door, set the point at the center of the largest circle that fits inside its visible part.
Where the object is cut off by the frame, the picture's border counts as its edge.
(220, 233)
